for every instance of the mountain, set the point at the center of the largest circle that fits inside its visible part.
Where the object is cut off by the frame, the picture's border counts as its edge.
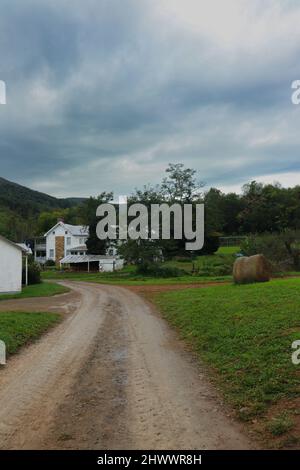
(26, 201)
(20, 208)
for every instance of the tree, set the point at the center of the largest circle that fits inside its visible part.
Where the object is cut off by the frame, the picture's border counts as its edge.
(87, 213)
(181, 184)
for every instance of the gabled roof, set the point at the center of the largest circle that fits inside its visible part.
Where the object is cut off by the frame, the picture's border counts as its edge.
(10, 243)
(76, 230)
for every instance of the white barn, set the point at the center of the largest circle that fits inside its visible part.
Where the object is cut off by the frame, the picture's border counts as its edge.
(10, 266)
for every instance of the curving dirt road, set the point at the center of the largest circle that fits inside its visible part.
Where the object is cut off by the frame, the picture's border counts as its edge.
(112, 375)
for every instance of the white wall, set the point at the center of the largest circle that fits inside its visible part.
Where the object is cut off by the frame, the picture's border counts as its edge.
(109, 265)
(10, 268)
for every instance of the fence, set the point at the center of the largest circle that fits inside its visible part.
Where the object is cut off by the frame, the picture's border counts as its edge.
(232, 241)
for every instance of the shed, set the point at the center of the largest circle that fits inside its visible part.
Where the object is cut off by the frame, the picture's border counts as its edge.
(101, 263)
(10, 266)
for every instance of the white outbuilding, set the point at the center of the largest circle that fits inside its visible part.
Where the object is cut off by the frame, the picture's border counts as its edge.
(10, 266)
(100, 263)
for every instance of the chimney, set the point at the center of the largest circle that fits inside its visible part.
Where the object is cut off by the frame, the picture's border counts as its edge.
(60, 219)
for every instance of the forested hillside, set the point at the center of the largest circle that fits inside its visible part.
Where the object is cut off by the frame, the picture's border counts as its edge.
(21, 207)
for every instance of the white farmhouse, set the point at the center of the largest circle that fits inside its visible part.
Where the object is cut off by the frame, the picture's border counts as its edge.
(65, 242)
(10, 266)
(64, 239)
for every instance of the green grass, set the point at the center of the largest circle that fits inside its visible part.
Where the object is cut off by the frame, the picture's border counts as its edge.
(130, 279)
(216, 267)
(280, 425)
(244, 333)
(44, 289)
(20, 328)
(228, 250)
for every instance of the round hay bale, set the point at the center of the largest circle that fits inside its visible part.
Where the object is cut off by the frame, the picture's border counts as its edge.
(251, 269)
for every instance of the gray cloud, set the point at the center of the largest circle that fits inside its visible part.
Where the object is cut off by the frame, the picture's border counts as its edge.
(104, 94)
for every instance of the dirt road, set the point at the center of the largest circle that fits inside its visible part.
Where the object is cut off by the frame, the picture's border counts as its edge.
(112, 375)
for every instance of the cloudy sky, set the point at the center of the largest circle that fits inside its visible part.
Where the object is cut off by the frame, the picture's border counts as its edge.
(103, 94)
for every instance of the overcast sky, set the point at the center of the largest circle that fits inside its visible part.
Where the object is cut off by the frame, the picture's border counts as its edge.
(103, 94)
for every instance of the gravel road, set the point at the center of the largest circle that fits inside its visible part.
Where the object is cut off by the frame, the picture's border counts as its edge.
(112, 375)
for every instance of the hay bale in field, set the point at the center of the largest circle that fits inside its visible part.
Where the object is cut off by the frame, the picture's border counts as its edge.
(251, 269)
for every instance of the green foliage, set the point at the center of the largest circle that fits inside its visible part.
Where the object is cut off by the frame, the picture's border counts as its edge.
(281, 249)
(180, 184)
(34, 273)
(158, 270)
(211, 244)
(280, 425)
(87, 214)
(139, 251)
(50, 263)
(20, 207)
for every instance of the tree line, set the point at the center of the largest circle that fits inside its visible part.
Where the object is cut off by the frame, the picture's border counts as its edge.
(258, 209)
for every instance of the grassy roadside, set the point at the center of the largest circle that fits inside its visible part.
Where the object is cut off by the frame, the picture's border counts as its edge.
(44, 289)
(130, 280)
(20, 328)
(244, 334)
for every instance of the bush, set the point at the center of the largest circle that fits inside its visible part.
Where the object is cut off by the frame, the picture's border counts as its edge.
(216, 266)
(34, 273)
(281, 249)
(50, 263)
(157, 270)
(211, 244)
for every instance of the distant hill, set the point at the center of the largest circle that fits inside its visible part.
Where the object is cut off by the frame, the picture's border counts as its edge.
(25, 201)
(20, 208)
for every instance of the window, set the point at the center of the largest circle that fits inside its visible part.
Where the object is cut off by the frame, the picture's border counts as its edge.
(51, 253)
(68, 241)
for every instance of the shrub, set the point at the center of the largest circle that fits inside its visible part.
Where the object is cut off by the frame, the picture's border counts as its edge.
(211, 244)
(50, 263)
(34, 273)
(157, 270)
(281, 249)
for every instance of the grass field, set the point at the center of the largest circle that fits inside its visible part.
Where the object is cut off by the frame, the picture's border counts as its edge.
(210, 268)
(44, 289)
(244, 334)
(18, 329)
(132, 280)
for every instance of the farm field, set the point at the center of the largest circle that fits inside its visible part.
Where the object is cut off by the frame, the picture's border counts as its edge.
(244, 335)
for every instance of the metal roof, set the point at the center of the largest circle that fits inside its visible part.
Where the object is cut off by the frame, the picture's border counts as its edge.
(77, 230)
(78, 248)
(72, 259)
